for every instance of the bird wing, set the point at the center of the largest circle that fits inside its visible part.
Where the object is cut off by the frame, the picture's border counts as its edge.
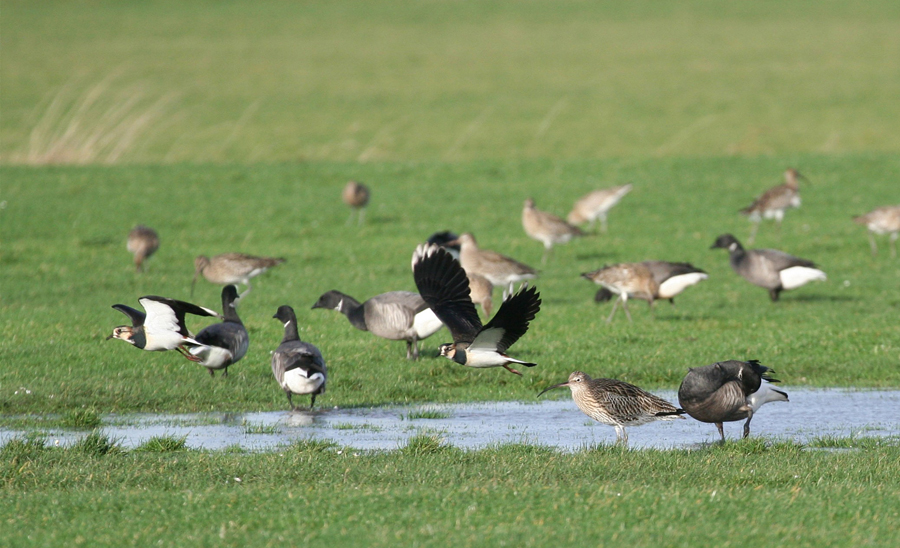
(229, 335)
(781, 260)
(168, 314)
(443, 284)
(407, 299)
(137, 317)
(510, 322)
(297, 355)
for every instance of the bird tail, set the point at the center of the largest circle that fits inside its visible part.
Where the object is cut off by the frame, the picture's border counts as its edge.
(673, 414)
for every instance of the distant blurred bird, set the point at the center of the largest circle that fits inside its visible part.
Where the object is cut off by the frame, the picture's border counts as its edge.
(884, 220)
(499, 269)
(546, 228)
(671, 279)
(443, 284)
(617, 403)
(299, 367)
(356, 195)
(142, 243)
(222, 344)
(448, 240)
(595, 205)
(628, 281)
(728, 391)
(772, 203)
(162, 327)
(232, 268)
(396, 316)
(769, 268)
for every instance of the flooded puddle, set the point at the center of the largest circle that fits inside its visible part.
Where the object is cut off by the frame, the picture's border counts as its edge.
(554, 423)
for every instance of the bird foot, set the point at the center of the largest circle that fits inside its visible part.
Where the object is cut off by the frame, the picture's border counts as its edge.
(511, 370)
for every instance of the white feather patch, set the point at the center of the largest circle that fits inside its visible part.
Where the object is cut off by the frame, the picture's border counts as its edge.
(211, 356)
(764, 395)
(296, 381)
(797, 276)
(426, 324)
(676, 284)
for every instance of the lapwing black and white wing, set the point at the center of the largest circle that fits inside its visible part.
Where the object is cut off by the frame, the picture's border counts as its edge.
(510, 322)
(443, 284)
(137, 317)
(168, 314)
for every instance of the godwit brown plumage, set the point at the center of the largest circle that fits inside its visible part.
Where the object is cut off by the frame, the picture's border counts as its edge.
(617, 403)
(232, 269)
(499, 269)
(728, 391)
(772, 203)
(356, 196)
(143, 242)
(546, 228)
(884, 220)
(595, 205)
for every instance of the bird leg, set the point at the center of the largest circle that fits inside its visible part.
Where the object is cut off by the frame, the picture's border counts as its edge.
(613, 313)
(362, 216)
(747, 425)
(752, 237)
(893, 242)
(873, 245)
(350, 218)
(603, 226)
(547, 252)
(290, 401)
(312, 402)
(511, 370)
(224, 373)
(211, 373)
(721, 431)
(621, 435)
(625, 308)
(188, 355)
(773, 293)
(241, 296)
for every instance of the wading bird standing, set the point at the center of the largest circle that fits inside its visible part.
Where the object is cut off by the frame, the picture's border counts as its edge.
(772, 203)
(356, 196)
(884, 220)
(143, 241)
(232, 269)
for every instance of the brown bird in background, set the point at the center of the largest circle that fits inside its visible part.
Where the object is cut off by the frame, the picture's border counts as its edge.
(774, 202)
(595, 205)
(356, 195)
(884, 220)
(628, 281)
(232, 269)
(546, 228)
(499, 269)
(143, 242)
(617, 403)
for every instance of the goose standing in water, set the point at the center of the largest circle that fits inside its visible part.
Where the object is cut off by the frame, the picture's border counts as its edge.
(299, 367)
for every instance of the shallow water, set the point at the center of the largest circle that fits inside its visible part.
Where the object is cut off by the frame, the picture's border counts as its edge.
(554, 423)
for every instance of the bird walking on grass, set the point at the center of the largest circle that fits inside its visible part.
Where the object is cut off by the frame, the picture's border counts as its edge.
(596, 204)
(499, 269)
(769, 268)
(443, 284)
(143, 242)
(356, 196)
(161, 327)
(628, 281)
(395, 315)
(232, 269)
(222, 344)
(299, 367)
(617, 403)
(884, 220)
(772, 203)
(547, 228)
(728, 391)
(671, 279)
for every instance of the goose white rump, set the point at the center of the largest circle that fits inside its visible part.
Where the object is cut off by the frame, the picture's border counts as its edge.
(797, 276)
(676, 284)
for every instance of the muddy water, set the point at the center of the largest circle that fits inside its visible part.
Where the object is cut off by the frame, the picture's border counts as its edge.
(554, 423)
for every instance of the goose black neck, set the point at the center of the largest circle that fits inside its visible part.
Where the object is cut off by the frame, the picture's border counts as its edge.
(290, 330)
(356, 314)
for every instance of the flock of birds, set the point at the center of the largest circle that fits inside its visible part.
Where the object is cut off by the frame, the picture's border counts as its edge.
(453, 274)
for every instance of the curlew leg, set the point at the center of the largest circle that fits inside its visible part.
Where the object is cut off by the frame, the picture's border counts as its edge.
(246, 291)
(603, 226)
(613, 313)
(721, 431)
(362, 216)
(547, 252)
(753, 230)
(747, 425)
(872, 244)
(350, 218)
(893, 240)
(625, 308)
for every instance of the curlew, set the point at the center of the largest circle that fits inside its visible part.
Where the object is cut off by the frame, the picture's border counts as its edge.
(595, 205)
(884, 220)
(546, 228)
(772, 203)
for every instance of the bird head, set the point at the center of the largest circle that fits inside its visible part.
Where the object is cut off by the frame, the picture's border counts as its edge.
(123, 333)
(575, 382)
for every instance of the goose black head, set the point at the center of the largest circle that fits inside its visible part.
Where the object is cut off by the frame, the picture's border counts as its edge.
(727, 241)
(331, 300)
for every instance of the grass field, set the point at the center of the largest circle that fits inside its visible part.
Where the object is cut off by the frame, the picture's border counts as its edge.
(426, 494)
(232, 126)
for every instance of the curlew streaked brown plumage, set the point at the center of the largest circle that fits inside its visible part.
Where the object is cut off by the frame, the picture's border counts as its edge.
(547, 228)
(884, 220)
(772, 203)
(232, 269)
(617, 403)
(499, 269)
(596, 204)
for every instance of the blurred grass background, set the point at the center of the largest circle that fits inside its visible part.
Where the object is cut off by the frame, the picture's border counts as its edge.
(169, 82)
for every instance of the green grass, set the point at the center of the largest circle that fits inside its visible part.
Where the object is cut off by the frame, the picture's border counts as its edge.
(64, 265)
(426, 414)
(276, 80)
(429, 494)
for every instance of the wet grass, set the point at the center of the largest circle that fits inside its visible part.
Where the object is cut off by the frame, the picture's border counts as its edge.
(425, 414)
(430, 494)
(251, 428)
